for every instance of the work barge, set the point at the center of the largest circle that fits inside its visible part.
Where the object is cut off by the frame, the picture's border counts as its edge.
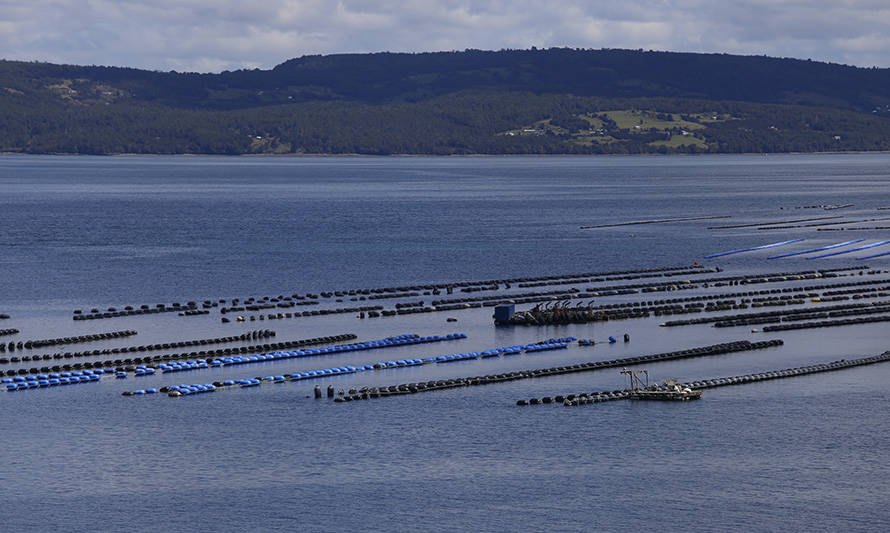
(637, 383)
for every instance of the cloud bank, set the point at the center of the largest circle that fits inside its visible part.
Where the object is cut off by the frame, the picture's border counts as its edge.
(213, 35)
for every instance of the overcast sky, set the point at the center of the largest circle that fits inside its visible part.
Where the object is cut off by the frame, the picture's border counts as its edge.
(213, 35)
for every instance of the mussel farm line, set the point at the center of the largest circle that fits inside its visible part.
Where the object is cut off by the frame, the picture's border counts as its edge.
(724, 281)
(858, 228)
(585, 398)
(112, 312)
(726, 301)
(48, 379)
(398, 340)
(772, 317)
(297, 299)
(458, 304)
(284, 302)
(735, 226)
(829, 323)
(185, 390)
(128, 365)
(655, 221)
(690, 271)
(705, 351)
(822, 225)
(563, 314)
(41, 343)
(250, 335)
(297, 314)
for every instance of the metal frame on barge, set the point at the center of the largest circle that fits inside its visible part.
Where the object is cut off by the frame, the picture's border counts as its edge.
(669, 390)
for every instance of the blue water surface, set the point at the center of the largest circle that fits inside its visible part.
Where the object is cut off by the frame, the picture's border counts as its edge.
(802, 454)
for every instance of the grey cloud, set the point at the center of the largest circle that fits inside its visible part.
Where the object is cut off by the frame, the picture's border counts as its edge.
(211, 35)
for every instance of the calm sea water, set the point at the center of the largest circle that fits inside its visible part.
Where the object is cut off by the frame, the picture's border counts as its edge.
(80, 232)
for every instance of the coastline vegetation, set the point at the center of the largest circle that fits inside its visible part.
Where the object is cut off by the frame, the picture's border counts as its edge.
(558, 101)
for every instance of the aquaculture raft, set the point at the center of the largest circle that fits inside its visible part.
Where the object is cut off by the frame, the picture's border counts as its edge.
(639, 388)
(666, 395)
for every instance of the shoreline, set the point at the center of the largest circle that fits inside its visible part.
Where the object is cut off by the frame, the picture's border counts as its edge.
(356, 155)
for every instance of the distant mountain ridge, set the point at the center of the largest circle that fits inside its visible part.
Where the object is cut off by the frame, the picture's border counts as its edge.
(332, 103)
(605, 73)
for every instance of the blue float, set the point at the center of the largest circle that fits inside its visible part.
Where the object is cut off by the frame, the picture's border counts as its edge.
(866, 247)
(872, 256)
(773, 245)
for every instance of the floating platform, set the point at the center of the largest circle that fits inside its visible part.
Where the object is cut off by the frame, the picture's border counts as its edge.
(670, 390)
(666, 395)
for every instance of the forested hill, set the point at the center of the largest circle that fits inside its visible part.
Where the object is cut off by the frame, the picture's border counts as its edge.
(556, 100)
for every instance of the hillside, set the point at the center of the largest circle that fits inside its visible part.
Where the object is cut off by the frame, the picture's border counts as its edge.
(512, 101)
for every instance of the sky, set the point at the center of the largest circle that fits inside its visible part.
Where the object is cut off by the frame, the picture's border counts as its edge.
(216, 35)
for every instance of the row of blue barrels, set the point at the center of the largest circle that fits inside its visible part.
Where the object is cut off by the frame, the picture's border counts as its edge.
(179, 366)
(66, 378)
(399, 340)
(310, 374)
(52, 379)
(612, 340)
(510, 350)
(177, 390)
(180, 390)
(22, 382)
(550, 344)
(556, 344)
(140, 392)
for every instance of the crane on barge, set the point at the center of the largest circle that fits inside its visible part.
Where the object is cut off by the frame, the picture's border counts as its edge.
(637, 384)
